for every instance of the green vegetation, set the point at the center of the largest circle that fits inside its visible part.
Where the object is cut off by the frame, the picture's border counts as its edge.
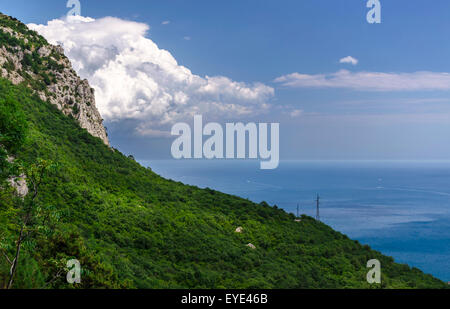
(36, 70)
(13, 129)
(32, 225)
(9, 65)
(34, 40)
(131, 228)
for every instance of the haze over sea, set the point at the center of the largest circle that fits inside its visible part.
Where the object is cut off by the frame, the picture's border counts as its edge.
(401, 208)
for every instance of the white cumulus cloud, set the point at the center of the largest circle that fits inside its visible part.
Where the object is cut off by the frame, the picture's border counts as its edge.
(369, 81)
(135, 79)
(350, 60)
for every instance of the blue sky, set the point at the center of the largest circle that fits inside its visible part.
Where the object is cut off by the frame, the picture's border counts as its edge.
(259, 41)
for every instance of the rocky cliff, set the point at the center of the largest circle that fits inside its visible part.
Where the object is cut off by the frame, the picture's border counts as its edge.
(26, 57)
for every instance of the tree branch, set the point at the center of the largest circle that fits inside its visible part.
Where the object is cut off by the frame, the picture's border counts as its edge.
(7, 258)
(57, 276)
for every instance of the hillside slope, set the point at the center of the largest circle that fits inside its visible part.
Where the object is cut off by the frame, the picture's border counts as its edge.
(130, 228)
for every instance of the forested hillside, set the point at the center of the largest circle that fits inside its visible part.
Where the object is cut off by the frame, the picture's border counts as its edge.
(130, 228)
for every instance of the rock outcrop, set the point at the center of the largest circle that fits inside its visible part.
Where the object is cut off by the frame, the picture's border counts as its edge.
(27, 58)
(251, 246)
(20, 185)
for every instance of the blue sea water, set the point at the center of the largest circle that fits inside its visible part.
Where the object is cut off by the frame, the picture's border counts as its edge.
(399, 208)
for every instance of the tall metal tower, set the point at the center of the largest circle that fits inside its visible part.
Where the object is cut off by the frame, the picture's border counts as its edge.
(298, 209)
(318, 208)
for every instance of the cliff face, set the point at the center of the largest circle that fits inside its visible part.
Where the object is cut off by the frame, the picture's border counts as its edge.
(26, 57)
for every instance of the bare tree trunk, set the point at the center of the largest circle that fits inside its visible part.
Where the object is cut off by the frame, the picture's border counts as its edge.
(16, 260)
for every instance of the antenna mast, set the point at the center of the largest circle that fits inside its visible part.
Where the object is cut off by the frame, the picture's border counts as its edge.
(318, 207)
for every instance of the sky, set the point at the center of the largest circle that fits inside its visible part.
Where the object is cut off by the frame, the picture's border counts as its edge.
(341, 88)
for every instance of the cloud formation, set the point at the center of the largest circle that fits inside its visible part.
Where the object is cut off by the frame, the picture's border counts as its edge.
(369, 81)
(135, 79)
(350, 60)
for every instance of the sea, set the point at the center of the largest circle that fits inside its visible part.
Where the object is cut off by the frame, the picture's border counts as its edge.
(400, 208)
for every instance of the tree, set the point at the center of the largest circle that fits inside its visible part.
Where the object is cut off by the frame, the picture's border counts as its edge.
(32, 217)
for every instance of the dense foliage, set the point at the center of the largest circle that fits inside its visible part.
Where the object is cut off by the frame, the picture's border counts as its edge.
(13, 127)
(131, 228)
